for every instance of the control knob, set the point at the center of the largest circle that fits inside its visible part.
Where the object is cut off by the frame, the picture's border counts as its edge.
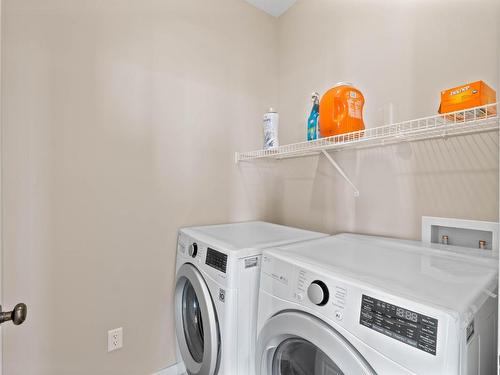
(318, 293)
(193, 249)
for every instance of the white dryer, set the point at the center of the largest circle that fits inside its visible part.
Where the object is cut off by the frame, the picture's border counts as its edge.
(361, 305)
(216, 293)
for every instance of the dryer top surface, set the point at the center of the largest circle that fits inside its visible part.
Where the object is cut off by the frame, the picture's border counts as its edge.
(248, 236)
(444, 278)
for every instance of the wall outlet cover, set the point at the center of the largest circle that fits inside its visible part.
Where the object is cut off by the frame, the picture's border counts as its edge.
(115, 339)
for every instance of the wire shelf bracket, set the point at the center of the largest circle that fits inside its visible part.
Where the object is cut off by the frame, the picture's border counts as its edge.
(341, 172)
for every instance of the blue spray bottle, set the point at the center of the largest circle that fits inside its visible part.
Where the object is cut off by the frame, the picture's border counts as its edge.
(313, 121)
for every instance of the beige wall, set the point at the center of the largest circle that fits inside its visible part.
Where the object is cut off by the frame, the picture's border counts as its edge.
(119, 123)
(120, 119)
(400, 52)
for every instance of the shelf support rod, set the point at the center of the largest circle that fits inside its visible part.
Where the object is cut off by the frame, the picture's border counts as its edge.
(342, 173)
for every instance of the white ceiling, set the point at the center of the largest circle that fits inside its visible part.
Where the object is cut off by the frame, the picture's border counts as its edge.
(274, 7)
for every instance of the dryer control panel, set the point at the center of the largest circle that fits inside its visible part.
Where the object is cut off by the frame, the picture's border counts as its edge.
(417, 330)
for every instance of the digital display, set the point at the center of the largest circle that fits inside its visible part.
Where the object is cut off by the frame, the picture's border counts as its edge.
(407, 314)
(409, 327)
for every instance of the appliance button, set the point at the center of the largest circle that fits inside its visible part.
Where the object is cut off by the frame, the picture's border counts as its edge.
(338, 315)
(222, 295)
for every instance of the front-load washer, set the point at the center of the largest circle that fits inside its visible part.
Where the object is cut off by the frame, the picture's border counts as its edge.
(216, 293)
(361, 305)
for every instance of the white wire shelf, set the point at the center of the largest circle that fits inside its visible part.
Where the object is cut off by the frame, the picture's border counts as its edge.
(474, 120)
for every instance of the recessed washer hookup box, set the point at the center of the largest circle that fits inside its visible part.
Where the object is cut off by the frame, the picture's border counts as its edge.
(459, 232)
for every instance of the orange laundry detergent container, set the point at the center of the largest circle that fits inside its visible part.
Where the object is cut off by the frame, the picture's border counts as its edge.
(341, 110)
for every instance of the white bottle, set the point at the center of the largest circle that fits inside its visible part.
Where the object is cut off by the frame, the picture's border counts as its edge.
(271, 123)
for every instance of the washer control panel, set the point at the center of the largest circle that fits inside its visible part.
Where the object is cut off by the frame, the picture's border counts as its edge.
(417, 330)
(216, 259)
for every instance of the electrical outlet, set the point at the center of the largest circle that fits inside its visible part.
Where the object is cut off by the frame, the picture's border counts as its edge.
(115, 339)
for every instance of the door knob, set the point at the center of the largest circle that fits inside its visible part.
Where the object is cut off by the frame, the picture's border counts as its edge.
(17, 315)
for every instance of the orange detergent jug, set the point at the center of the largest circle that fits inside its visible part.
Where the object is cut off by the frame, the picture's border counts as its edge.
(341, 110)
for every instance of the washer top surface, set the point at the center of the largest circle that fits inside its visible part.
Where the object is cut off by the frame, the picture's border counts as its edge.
(255, 235)
(437, 276)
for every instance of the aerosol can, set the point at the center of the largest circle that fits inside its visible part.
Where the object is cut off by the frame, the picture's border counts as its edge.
(271, 123)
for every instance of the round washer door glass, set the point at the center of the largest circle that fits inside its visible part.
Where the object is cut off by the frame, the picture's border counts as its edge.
(192, 322)
(296, 356)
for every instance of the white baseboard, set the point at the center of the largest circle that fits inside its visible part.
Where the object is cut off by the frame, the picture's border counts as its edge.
(177, 369)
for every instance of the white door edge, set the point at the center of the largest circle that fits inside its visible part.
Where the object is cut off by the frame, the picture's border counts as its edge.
(1, 188)
(188, 273)
(295, 324)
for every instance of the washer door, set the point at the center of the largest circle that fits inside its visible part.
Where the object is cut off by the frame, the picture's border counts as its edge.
(196, 322)
(294, 343)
